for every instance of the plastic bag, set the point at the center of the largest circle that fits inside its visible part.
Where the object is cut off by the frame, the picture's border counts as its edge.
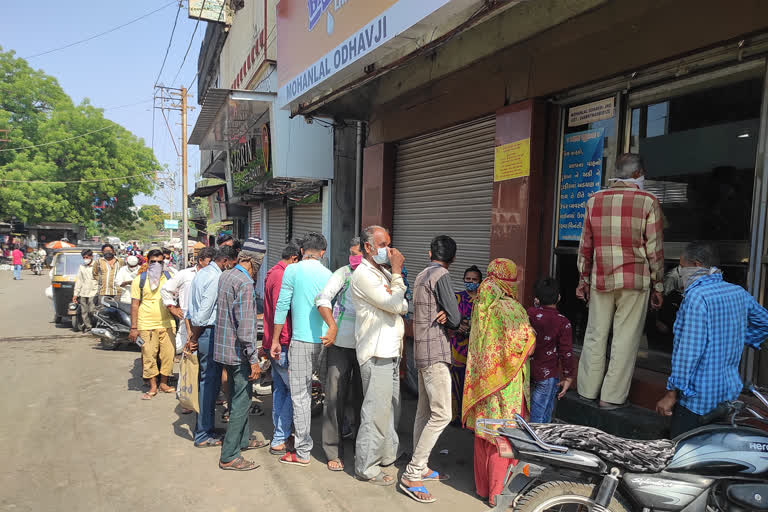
(188, 380)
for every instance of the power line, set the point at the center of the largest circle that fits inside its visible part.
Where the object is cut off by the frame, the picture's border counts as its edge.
(126, 105)
(78, 181)
(100, 33)
(58, 141)
(189, 46)
(167, 49)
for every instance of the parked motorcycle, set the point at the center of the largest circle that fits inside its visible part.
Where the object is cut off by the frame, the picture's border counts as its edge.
(36, 265)
(112, 323)
(714, 468)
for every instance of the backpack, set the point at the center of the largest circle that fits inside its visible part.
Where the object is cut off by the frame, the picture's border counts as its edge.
(143, 281)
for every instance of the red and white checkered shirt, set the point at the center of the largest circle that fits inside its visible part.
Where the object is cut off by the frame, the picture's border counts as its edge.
(622, 243)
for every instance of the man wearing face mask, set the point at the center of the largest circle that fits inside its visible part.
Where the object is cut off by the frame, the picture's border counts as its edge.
(715, 321)
(85, 289)
(125, 277)
(105, 272)
(302, 282)
(151, 321)
(621, 263)
(338, 311)
(379, 299)
(236, 349)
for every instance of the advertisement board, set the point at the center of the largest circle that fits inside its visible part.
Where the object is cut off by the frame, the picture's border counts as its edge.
(171, 224)
(318, 38)
(208, 10)
(581, 176)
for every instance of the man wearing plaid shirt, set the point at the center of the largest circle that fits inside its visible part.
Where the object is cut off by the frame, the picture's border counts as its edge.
(621, 262)
(715, 321)
(236, 349)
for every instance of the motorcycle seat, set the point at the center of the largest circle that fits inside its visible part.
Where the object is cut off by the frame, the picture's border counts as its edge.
(633, 455)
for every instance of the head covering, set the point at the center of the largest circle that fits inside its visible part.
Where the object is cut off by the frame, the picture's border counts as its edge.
(132, 261)
(224, 237)
(254, 248)
(500, 342)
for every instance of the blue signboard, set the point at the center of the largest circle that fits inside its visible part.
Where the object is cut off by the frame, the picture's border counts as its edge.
(170, 224)
(315, 9)
(580, 177)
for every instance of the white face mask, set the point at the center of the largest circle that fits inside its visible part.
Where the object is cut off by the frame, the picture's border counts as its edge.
(382, 256)
(87, 262)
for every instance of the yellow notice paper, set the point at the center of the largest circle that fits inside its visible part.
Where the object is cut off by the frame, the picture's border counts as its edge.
(512, 160)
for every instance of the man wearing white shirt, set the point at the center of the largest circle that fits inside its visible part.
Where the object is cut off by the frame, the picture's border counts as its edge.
(176, 297)
(125, 277)
(379, 299)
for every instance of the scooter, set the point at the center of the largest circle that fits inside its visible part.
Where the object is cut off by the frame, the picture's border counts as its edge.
(37, 266)
(112, 323)
(714, 468)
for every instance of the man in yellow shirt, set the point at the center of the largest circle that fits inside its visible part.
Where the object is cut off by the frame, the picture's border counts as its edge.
(151, 321)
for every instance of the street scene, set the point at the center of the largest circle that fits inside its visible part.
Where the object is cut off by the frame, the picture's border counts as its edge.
(384, 254)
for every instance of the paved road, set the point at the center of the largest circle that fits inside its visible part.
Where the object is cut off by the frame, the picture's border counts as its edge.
(75, 436)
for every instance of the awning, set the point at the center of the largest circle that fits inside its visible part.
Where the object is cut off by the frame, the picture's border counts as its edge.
(227, 115)
(206, 187)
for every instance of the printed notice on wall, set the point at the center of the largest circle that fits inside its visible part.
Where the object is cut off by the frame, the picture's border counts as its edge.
(591, 112)
(512, 160)
(580, 178)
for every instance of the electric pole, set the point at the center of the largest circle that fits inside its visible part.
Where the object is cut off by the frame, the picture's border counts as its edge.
(168, 98)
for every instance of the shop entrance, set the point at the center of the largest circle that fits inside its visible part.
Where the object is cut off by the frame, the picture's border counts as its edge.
(699, 138)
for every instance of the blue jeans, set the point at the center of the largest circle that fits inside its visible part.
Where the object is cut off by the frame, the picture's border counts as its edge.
(210, 383)
(543, 400)
(282, 406)
(17, 271)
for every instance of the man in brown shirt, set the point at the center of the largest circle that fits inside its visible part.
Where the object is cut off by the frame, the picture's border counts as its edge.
(105, 272)
(434, 309)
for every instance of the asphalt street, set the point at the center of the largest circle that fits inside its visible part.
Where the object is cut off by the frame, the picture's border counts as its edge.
(75, 436)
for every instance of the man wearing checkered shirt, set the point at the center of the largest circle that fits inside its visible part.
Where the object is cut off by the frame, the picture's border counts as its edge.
(621, 263)
(715, 321)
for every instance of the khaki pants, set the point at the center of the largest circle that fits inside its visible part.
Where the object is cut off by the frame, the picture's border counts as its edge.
(157, 341)
(625, 310)
(433, 413)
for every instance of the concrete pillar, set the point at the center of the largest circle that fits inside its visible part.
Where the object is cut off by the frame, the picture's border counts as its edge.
(378, 185)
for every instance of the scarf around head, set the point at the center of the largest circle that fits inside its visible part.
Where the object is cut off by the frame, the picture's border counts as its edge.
(500, 341)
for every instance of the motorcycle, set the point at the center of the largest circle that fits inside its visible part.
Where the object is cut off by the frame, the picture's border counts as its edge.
(36, 265)
(714, 468)
(112, 323)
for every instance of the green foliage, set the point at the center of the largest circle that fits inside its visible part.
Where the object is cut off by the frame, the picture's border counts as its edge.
(35, 110)
(153, 214)
(144, 231)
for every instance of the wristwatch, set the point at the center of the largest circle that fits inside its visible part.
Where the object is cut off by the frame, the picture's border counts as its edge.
(658, 287)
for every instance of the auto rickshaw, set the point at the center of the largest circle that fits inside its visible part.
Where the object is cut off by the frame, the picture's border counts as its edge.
(64, 266)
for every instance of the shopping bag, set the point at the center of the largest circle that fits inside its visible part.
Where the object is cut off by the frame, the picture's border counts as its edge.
(187, 385)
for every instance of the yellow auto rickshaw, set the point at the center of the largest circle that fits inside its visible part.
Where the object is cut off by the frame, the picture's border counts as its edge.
(64, 266)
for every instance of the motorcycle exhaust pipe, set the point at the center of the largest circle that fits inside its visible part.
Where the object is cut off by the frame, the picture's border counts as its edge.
(103, 333)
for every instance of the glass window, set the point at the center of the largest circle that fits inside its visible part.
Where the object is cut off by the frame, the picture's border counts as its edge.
(67, 263)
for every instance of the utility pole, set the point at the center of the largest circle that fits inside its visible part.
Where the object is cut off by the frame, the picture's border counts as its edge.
(168, 98)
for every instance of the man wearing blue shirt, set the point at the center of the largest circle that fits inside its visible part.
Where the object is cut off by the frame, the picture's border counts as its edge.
(302, 282)
(716, 320)
(201, 313)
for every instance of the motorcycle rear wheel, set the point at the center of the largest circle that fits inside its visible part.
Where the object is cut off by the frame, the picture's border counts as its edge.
(563, 496)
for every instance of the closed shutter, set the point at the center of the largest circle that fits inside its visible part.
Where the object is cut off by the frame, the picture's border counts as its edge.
(307, 218)
(444, 186)
(254, 221)
(276, 231)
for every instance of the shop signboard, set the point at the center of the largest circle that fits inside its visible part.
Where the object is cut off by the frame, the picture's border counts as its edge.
(318, 38)
(171, 224)
(209, 10)
(580, 177)
(591, 112)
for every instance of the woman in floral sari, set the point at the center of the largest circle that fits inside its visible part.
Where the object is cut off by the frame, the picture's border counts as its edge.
(497, 380)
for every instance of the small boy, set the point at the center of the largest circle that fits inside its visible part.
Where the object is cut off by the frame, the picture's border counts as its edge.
(553, 345)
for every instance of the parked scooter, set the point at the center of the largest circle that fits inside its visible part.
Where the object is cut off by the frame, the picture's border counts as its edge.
(112, 323)
(714, 468)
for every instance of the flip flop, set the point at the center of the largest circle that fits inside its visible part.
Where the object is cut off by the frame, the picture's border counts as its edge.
(339, 465)
(211, 441)
(239, 464)
(411, 491)
(379, 480)
(170, 389)
(255, 444)
(148, 395)
(277, 452)
(434, 475)
(291, 458)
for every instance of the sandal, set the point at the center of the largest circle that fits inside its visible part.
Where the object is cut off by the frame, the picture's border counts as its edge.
(256, 410)
(255, 444)
(411, 491)
(148, 395)
(381, 479)
(169, 389)
(291, 458)
(211, 441)
(338, 465)
(437, 477)
(238, 464)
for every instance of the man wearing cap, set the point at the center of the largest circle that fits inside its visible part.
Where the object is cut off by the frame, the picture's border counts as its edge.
(236, 349)
(176, 297)
(125, 277)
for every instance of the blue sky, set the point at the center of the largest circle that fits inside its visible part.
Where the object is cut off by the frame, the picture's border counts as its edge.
(116, 69)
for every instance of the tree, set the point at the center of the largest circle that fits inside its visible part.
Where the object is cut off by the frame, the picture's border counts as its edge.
(153, 214)
(103, 164)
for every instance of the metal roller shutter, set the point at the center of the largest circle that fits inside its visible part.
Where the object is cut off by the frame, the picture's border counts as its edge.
(444, 186)
(254, 221)
(306, 219)
(276, 232)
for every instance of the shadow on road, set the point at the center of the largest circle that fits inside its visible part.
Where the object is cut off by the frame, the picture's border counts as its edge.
(184, 426)
(135, 380)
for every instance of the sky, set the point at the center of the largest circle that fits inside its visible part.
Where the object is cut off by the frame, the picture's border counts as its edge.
(117, 69)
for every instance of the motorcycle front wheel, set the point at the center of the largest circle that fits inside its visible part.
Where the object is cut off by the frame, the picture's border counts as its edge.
(561, 496)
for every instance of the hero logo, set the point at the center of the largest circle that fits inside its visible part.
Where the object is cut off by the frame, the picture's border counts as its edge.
(316, 8)
(759, 447)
